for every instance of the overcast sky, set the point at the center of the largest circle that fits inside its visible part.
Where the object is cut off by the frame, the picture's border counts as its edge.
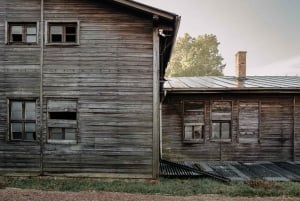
(269, 30)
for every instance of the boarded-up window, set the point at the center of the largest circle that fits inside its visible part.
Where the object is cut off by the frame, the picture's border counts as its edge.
(62, 121)
(248, 121)
(22, 120)
(221, 110)
(193, 121)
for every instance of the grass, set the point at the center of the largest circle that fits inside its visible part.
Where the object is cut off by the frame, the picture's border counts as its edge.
(178, 187)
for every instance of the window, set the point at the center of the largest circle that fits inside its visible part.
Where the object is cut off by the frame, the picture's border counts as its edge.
(22, 120)
(63, 33)
(22, 33)
(248, 121)
(221, 130)
(221, 120)
(62, 121)
(193, 125)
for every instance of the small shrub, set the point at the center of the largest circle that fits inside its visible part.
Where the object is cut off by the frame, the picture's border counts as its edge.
(263, 184)
(2, 185)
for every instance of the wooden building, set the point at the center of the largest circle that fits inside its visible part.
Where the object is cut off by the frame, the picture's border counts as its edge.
(79, 86)
(241, 118)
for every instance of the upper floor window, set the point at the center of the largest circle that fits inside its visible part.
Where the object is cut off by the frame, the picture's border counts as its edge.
(63, 33)
(22, 120)
(22, 33)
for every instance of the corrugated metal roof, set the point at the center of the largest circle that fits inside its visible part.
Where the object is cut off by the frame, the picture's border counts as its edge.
(210, 83)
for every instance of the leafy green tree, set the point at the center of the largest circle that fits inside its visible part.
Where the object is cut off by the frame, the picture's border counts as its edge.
(196, 57)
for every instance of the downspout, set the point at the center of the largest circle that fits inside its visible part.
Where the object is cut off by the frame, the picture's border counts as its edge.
(41, 88)
(294, 129)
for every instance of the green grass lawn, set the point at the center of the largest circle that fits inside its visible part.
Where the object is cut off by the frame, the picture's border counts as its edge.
(179, 187)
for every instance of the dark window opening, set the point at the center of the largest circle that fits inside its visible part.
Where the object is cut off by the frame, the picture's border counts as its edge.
(71, 30)
(56, 38)
(63, 115)
(17, 38)
(70, 38)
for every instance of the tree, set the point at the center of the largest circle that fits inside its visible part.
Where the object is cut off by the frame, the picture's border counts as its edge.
(196, 57)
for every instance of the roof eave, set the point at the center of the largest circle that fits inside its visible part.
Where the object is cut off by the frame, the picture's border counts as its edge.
(147, 9)
(250, 90)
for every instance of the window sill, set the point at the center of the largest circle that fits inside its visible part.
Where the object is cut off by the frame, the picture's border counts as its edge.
(62, 44)
(224, 140)
(248, 140)
(22, 44)
(61, 141)
(194, 141)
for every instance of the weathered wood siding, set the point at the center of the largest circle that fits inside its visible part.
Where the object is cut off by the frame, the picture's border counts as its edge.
(19, 78)
(269, 137)
(110, 74)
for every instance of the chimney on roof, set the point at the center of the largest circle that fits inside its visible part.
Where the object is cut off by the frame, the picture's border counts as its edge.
(240, 59)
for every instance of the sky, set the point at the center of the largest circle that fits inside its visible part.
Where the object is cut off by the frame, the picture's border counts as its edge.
(269, 30)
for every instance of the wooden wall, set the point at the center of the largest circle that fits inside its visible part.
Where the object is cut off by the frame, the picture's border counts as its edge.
(110, 75)
(272, 140)
(19, 78)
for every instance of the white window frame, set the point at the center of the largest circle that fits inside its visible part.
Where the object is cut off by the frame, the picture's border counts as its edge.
(7, 32)
(47, 34)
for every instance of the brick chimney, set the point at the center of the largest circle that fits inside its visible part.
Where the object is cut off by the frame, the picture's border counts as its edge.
(240, 59)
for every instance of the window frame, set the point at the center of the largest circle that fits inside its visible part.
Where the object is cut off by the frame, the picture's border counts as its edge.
(215, 118)
(24, 25)
(221, 122)
(64, 24)
(194, 124)
(23, 120)
(248, 138)
(62, 123)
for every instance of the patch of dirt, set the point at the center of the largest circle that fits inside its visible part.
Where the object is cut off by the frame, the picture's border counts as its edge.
(35, 195)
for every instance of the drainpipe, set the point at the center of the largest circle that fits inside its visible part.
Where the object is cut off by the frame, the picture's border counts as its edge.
(294, 129)
(41, 87)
